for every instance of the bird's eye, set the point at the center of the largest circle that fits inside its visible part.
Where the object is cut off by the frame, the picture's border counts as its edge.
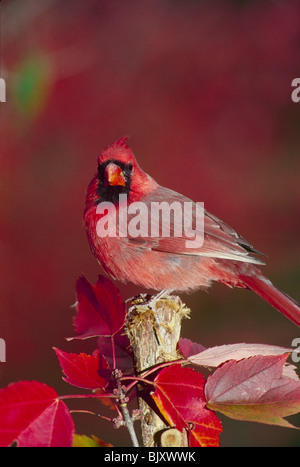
(130, 167)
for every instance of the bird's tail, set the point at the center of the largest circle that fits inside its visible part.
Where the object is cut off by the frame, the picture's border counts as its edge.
(278, 299)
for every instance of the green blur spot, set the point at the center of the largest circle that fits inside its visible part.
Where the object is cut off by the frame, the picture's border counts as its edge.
(31, 86)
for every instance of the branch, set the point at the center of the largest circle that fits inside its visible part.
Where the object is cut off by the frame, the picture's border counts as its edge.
(154, 335)
(129, 424)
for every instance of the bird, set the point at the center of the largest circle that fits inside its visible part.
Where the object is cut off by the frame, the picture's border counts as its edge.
(166, 263)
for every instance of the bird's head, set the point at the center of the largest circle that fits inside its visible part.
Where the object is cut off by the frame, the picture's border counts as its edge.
(119, 173)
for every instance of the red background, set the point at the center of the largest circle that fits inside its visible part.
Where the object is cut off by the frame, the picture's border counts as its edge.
(204, 91)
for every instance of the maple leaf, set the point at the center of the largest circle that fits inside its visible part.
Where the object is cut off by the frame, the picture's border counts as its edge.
(32, 415)
(84, 371)
(179, 395)
(117, 347)
(254, 389)
(215, 356)
(188, 347)
(100, 310)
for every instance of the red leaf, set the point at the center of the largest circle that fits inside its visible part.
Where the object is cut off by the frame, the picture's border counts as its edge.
(100, 310)
(255, 389)
(32, 414)
(180, 398)
(82, 370)
(215, 356)
(122, 352)
(188, 347)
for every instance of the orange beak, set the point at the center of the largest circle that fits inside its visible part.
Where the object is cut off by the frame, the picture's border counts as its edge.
(114, 175)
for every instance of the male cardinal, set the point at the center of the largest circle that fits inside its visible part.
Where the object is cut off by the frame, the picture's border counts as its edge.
(165, 263)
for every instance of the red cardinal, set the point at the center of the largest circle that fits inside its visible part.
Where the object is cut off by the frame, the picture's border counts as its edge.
(166, 263)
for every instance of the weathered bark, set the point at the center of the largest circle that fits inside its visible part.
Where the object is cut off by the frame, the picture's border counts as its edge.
(154, 335)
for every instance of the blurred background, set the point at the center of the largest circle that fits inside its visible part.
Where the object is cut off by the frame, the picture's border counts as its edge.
(204, 91)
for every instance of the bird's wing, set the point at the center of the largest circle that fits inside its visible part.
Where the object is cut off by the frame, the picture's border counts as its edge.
(219, 241)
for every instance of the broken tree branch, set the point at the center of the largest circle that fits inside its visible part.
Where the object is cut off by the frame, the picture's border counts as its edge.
(154, 335)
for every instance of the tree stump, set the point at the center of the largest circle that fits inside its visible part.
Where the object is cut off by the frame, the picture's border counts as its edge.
(154, 335)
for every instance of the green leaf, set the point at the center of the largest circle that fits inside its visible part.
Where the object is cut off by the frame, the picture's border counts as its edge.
(83, 441)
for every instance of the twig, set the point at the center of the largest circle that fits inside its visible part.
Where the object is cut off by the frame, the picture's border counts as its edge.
(127, 420)
(129, 424)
